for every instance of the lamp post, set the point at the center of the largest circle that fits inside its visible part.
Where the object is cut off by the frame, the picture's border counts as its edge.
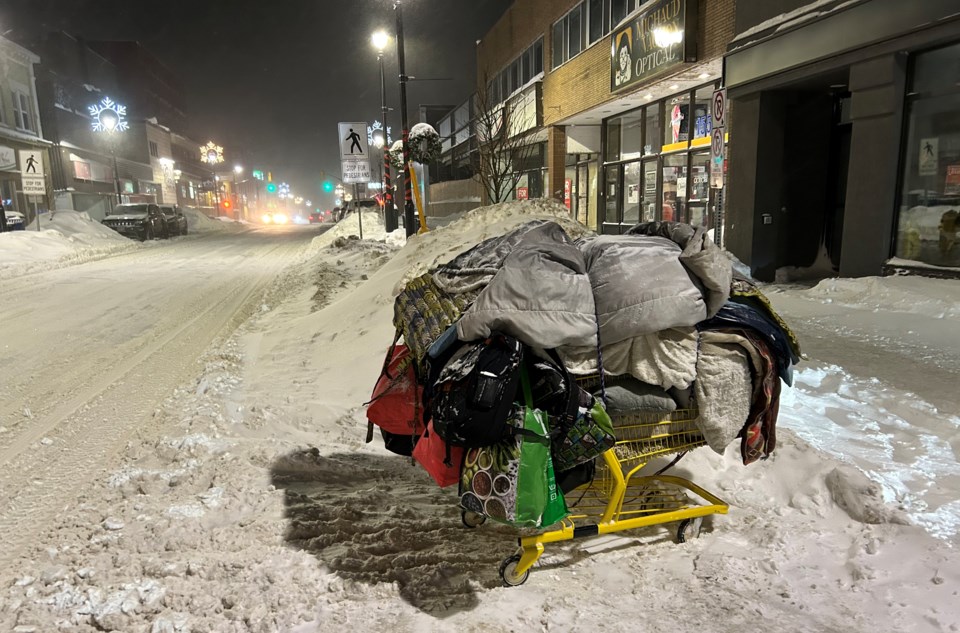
(212, 154)
(109, 118)
(408, 219)
(237, 170)
(380, 40)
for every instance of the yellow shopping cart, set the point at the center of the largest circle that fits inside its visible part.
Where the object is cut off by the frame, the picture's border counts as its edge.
(619, 498)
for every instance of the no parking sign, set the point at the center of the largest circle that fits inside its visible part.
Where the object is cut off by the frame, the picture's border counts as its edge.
(718, 137)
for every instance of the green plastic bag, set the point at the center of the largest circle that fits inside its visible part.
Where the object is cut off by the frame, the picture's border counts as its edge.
(589, 437)
(513, 481)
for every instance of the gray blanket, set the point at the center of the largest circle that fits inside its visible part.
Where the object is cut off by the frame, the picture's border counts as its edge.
(699, 255)
(724, 387)
(667, 358)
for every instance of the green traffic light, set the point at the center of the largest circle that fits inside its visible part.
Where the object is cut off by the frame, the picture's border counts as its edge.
(327, 186)
(271, 187)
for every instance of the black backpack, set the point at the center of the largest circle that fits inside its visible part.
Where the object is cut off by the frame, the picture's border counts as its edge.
(476, 391)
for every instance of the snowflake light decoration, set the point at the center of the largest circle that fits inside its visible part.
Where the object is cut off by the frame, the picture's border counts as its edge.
(108, 116)
(377, 126)
(211, 153)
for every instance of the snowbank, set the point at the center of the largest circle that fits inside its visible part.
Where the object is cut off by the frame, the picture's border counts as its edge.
(65, 237)
(199, 222)
(936, 298)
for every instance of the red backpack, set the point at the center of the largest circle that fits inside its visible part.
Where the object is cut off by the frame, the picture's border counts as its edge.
(396, 404)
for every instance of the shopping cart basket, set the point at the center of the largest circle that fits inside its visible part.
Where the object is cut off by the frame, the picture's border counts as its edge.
(619, 498)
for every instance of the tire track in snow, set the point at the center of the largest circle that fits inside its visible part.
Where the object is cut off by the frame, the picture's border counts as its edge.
(35, 483)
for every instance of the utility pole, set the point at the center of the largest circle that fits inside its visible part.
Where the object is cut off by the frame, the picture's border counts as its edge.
(390, 213)
(408, 219)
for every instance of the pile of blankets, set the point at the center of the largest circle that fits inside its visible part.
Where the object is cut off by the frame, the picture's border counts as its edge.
(659, 309)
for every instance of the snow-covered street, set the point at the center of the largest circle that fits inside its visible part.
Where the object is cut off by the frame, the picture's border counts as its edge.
(182, 443)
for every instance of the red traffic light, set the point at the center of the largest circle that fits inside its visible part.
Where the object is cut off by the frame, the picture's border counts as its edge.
(226, 204)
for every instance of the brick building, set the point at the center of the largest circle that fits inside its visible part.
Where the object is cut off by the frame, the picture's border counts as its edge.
(623, 91)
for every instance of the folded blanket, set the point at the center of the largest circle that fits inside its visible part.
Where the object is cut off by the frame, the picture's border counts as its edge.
(667, 358)
(724, 390)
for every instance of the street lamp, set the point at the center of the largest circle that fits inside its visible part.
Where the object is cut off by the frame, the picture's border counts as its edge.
(109, 118)
(380, 39)
(212, 154)
(408, 219)
(237, 170)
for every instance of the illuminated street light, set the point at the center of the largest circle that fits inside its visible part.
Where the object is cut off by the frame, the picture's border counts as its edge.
(110, 117)
(237, 170)
(380, 39)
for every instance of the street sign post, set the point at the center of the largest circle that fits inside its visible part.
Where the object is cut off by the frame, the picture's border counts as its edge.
(355, 171)
(32, 181)
(354, 152)
(718, 137)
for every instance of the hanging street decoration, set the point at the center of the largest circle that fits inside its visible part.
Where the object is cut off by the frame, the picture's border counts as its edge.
(211, 153)
(396, 155)
(109, 116)
(377, 126)
(425, 144)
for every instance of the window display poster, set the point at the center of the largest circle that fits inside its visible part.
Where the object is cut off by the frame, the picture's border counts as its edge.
(633, 194)
(951, 186)
(682, 187)
(567, 188)
(650, 181)
(523, 193)
(929, 155)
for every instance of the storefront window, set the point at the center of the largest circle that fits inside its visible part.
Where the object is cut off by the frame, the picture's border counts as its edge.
(666, 177)
(613, 140)
(625, 137)
(652, 132)
(677, 124)
(701, 112)
(929, 224)
(631, 135)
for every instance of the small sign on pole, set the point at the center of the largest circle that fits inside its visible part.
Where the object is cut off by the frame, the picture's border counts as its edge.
(719, 109)
(32, 178)
(355, 171)
(354, 152)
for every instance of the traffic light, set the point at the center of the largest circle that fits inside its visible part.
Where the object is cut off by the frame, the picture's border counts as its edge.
(327, 186)
(227, 204)
(271, 187)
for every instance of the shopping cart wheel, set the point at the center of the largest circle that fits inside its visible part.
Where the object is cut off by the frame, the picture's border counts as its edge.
(508, 570)
(472, 519)
(689, 529)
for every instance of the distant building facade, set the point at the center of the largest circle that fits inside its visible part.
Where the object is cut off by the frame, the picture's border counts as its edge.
(21, 127)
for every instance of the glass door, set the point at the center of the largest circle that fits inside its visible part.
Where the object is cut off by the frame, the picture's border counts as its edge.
(698, 204)
(648, 207)
(582, 198)
(674, 207)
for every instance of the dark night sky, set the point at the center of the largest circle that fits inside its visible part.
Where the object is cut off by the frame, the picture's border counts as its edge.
(274, 77)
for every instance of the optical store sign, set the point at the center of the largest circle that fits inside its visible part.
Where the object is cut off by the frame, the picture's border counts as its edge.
(660, 36)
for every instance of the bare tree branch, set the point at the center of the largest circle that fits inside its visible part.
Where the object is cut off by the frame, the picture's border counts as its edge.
(504, 140)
